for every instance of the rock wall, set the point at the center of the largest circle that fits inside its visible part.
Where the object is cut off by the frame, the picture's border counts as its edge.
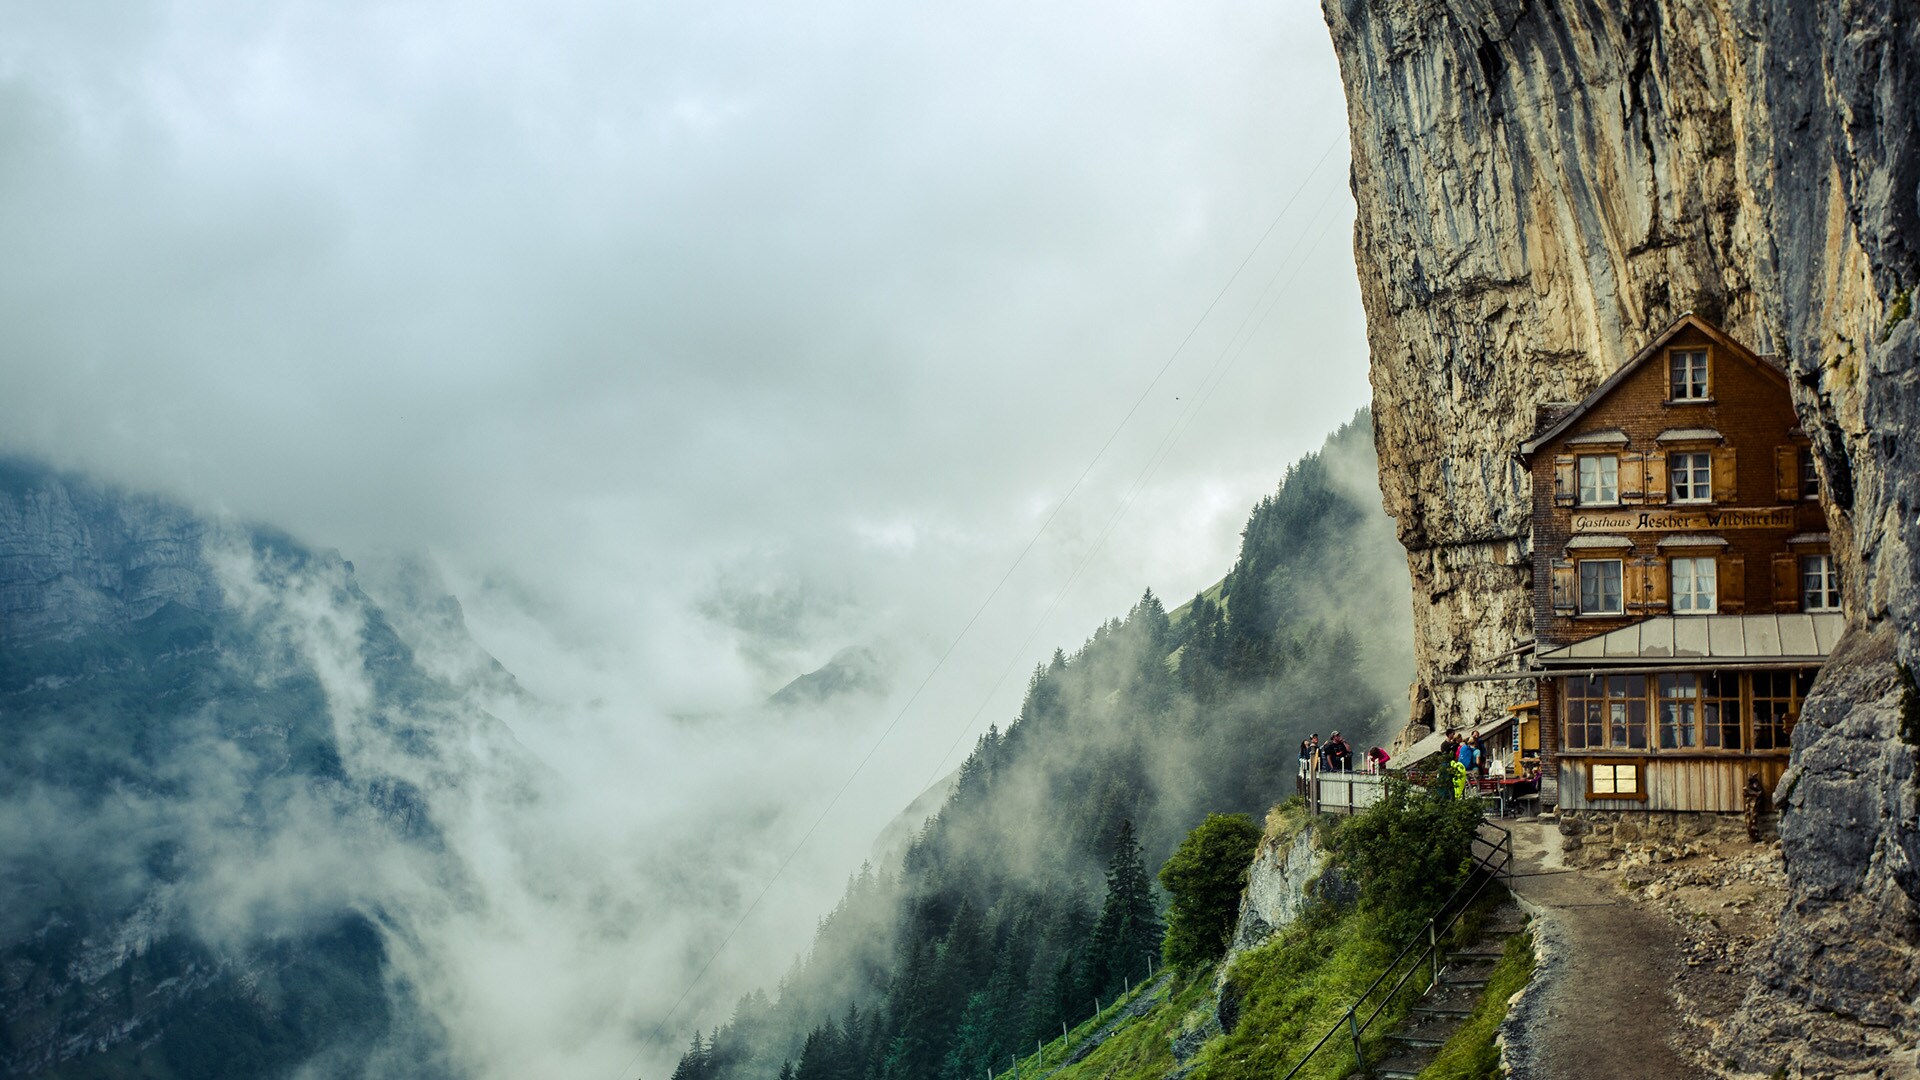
(1280, 883)
(75, 556)
(1543, 185)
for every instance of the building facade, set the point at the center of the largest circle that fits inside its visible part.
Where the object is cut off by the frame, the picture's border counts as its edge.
(1684, 589)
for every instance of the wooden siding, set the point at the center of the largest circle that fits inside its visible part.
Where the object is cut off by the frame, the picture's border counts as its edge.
(1708, 784)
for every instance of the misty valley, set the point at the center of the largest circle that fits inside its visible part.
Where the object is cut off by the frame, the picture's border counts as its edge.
(258, 803)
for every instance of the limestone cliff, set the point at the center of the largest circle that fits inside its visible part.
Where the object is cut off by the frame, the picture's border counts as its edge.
(1541, 185)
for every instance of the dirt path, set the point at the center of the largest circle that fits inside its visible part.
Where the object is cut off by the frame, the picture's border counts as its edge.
(1601, 1004)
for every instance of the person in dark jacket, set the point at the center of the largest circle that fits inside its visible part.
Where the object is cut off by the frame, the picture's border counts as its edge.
(1757, 800)
(1339, 754)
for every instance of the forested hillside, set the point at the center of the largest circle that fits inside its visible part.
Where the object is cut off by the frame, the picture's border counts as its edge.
(1029, 896)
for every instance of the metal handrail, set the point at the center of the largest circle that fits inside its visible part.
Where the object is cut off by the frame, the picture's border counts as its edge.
(1483, 872)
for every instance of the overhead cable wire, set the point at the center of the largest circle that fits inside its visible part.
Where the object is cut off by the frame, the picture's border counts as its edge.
(1228, 355)
(661, 1026)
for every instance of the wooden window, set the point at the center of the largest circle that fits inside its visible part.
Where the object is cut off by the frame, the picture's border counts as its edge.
(1691, 476)
(1605, 712)
(1599, 480)
(1564, 484)
(1600, 587)
(1819, 583)
(1582, 714)
(1777, 696)
(1726, 476)
(1786, 473)
(1720, 711)
(1687, 374)
(1694, 581)
(1616, 780)
(1679, 711)
(1809, 476)
(1786, 582)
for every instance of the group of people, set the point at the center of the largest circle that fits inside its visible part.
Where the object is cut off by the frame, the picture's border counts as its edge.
(1465, 757)
(1335, 755)
(1472, 755)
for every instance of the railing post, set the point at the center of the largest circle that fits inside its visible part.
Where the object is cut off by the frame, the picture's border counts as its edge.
(1433, 950)
(1353, 1025)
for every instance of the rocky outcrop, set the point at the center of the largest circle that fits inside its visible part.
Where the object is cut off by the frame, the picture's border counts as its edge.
(1290, 872)
(75, 556)
(1279, 884)
(1541, 186)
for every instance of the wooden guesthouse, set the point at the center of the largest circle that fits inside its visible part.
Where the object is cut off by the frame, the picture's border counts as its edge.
(1684, 589)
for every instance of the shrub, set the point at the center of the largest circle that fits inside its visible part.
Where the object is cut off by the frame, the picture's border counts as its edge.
(1205, 877)
(1407, 852)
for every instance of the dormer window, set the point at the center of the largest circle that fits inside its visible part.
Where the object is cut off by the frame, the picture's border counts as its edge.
(1599, 480)
(1688, 370)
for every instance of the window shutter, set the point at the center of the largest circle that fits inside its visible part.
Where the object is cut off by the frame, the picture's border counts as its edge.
(1564, 481)
(1732, 584)
(1566, 587)
(1656, 477)
(1726, 485)
(1786, 473)
(1632, 477)
(1786, 582)
(1654, 594)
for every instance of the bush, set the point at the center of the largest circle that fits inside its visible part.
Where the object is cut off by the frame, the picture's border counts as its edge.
(1205, 877)
(1407, 852)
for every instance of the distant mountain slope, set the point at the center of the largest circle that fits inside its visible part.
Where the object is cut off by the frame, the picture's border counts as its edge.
(998, 922)
(856, 670)
(213, 737)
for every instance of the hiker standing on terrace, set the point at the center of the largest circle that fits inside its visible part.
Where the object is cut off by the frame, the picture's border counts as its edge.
(1309, 758)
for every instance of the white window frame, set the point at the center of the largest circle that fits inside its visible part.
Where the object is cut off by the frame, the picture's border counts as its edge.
(1697, 492)
(1619, 581)
(1819, 579)
(1684, 387)
(1607, 494)
(1694, 585)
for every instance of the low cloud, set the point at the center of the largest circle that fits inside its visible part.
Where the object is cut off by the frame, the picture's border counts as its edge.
(686, 346)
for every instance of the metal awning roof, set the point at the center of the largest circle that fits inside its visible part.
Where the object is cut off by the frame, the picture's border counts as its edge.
(1431, 744)
(1727, 639)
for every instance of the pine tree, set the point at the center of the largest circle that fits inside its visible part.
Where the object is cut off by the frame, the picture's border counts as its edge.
(1127, 931)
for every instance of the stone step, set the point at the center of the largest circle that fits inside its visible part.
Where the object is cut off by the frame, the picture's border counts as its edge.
(1449, 1000)
(1405, 1066)
(1427, 1029)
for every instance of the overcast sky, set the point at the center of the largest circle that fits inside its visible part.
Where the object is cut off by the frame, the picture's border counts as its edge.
(694, 341)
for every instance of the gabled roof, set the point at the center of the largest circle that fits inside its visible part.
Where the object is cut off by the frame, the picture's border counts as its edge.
(1565, 420)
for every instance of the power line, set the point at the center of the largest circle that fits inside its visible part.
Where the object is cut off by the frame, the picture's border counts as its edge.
(661, 1027)
(1228, 355)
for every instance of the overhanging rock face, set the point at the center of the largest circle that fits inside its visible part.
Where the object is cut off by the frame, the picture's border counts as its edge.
(1542, 184)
